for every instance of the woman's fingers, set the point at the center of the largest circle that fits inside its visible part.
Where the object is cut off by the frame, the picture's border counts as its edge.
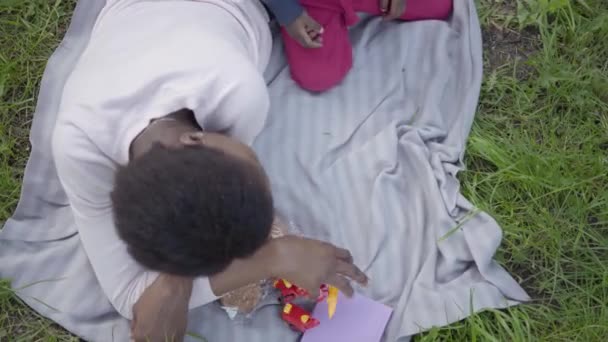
(347, 268)
(343, 254)
(351, 271)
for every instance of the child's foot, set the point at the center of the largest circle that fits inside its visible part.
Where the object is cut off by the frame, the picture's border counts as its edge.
(306, 31)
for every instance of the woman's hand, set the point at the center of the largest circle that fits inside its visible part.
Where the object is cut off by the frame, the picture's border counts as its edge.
(392, 9)
(161, 312)
(305, 262)
(311, 263)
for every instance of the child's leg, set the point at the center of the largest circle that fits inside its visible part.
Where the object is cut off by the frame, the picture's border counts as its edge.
(414, 9)
(322, 68)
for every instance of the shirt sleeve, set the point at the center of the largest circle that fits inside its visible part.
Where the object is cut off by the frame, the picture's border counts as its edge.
(240, 104)
(286, 11)
(87, 178)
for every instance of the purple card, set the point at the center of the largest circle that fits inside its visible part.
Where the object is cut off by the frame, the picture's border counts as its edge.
(357, 319)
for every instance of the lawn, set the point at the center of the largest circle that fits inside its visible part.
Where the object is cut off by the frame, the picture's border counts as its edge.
(537, 160)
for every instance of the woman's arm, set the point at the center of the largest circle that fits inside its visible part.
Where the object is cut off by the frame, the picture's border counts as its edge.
(162, 310)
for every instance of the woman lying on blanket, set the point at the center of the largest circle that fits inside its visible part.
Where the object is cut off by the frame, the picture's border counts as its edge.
(152, 148)
(315, 32)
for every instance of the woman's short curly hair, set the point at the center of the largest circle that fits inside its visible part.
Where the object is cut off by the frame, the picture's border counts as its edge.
(191, 211)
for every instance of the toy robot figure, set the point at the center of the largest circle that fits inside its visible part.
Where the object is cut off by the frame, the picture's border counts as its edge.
(290, 291)
(298, 318)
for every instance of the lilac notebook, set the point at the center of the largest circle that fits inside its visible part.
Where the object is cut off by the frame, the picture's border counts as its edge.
(357, 319)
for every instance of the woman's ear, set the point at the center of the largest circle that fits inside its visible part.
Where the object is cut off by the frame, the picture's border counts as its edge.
(192, 138)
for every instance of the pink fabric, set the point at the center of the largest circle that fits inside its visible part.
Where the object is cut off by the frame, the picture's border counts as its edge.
(323, 68)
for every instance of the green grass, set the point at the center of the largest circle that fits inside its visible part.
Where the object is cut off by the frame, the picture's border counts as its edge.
(29, 31)
(537, 160)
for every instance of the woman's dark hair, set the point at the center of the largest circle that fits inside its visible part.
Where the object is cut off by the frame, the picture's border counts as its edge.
(191, 211)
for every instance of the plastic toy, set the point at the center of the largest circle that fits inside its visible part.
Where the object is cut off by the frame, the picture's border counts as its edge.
(290, 291)
(297, 317)
(332, 301)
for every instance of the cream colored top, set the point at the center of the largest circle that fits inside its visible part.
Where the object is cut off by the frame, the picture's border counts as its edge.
(146, 59)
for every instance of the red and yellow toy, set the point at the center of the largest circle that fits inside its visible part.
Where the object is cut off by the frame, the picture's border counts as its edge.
(294, 315)
(289, 291)
(298, 318)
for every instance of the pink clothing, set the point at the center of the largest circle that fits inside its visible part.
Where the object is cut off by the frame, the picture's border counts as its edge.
(323, 68)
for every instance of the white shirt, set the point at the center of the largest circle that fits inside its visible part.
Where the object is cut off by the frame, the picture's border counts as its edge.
(146, 59)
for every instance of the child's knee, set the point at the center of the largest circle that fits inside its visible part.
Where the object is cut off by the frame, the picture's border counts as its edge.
(319, 69)
(317, 82)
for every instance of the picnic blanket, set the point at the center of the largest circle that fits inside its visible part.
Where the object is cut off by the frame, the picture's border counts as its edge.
(370, 165)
